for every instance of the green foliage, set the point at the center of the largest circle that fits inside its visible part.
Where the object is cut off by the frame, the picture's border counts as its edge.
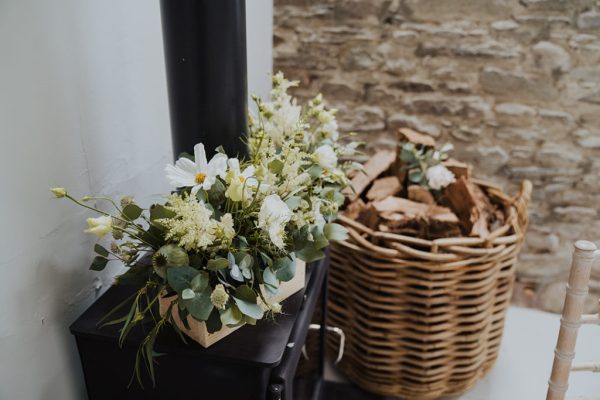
(231, 316)
(417, 159)
(101, 250)
(99, 263)
(335, 232)
(217, 264)
(131, 212)
(285, 268)
(276, 166)
(180, 278)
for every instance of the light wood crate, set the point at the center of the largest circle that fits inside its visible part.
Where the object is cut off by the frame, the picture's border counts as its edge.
(198, 331)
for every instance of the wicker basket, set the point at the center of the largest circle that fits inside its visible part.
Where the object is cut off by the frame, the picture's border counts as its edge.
(424, 318)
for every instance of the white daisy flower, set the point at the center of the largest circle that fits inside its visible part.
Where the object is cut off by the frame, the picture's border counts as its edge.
(325, 156)
(272, 217)
(197, 175)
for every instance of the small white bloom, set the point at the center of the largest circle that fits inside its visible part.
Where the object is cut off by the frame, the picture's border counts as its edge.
(272, 217)
(325, 156)
(199, 174)
(99, 226)
(225, 229)
(316, 212)
(59, 192)
(275, 308)
(241, 184)
(439, 177)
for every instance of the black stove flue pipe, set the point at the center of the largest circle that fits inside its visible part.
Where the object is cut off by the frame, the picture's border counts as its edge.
(205, 55)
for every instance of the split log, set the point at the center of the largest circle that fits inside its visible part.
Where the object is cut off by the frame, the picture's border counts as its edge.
(378, 164)
(404, 216)
(459, 169)
(369, 216)
(384, 187)
(401, 205)
(471, 205)
(412, 136)
(420, 194)
(354, 209)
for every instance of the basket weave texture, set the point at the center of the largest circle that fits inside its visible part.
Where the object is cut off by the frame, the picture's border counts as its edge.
(424, 318)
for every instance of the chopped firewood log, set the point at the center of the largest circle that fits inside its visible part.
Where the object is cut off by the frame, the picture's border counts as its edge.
(369, 216)
(471, 205)
(409, 135)
(379, 163)
(428, 221)
(354, 209)
(384, 187)
(420, 194)
(401, 205)
(459, 169)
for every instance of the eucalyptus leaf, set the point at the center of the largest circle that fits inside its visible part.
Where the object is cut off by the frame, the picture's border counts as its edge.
(188, 294)
(244, 292)
(236, 273)
(131, 212)
(415, 175)
(271, 282)
(250, 309)
(287, 273)
(268, 261)
(310, 253)
(200, 305)
(281, 263)
(99, 263)
(335, 232)
(217, 264)
(231, 316)
(200, 281)
(319, 239)
(293, 202)
(315, 171)
(101, 250)
(213, 323)
(180, 278)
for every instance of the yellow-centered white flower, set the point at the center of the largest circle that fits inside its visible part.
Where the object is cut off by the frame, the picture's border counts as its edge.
(325, 156)
(439, 177)
(99, 226)
(199, 174)
(274, 214)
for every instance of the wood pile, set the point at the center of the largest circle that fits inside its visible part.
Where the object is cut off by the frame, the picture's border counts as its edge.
(384, 199)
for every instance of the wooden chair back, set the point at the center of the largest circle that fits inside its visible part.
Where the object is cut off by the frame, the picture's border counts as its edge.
(572, 318)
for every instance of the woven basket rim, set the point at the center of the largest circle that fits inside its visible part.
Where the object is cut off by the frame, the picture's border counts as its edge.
(448, 249)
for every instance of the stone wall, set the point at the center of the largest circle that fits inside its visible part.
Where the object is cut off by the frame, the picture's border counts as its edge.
(515, 85)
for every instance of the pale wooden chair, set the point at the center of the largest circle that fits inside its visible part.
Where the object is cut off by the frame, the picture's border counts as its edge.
(572, 318)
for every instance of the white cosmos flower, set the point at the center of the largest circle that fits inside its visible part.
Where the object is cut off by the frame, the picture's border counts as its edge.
(99, 226)
(325, 157)
(439, 177)
(272, 217)
(197, 175)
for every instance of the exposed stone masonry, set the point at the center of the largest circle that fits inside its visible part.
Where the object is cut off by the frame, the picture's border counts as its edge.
(515, 85)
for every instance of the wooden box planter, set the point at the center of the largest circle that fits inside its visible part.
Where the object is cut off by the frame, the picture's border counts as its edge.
(424, 318)
(198, 330)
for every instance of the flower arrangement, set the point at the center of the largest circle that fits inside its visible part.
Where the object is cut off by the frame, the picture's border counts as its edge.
(231, 231)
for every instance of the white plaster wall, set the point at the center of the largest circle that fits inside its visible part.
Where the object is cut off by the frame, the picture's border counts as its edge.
(82, 105)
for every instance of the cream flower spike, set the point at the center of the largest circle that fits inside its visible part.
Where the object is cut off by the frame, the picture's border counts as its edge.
(199, 174)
